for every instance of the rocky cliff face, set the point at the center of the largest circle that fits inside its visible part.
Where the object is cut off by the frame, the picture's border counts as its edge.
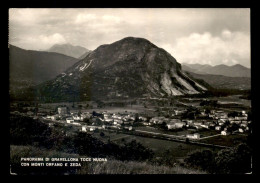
(131, 67)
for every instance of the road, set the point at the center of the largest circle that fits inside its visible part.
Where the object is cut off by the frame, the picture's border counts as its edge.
(210, 136)
(166, 135)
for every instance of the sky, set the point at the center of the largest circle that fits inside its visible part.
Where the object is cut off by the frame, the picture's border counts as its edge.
(192, 35)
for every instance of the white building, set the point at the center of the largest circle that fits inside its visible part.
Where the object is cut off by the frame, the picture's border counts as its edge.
(179, 112)
(211, 115)
(118, 121)
(91, 128)
(220, 123)
(54, 117)
(205, 126)
(128, 128)
(241, 117)
(78, 118)
(244, 122)
(244, 125)
(142, 118)
(84, 128)
(222, 120)
(75, 123)
(197, 123)
(189, 122)
(108, 119)
(241, 130)
(158, 120)
(69, 120)
(175, 125)
(146, 123)
(62, 110)
(218, 128)
(225, 132)
(193, 136)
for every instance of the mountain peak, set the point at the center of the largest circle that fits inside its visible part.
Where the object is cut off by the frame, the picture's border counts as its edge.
(236, 70)
(239, 66)
(121, 66)
(135, 40)
(130, 38)
(69, 50)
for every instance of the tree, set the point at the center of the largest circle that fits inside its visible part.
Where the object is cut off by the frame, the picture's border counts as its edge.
(233, 114)
(235, 160)
(207, 111)
(135, 151)
(234, 127)
(79, 113)
(26, 131)
(136, 117)
(87, 121)
(167, 159)
(88, 145)
(187, 140)
(164, 125)
(102, 134)
(203, 160)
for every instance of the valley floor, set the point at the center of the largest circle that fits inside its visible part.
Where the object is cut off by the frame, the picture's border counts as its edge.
(153, 136)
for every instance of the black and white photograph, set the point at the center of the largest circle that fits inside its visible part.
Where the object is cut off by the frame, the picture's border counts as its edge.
(130, 91)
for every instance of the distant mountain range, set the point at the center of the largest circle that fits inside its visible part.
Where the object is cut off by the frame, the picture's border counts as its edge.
(230, 71)
(29, 67)
(224, 82)
(70, 50)
(131, 67)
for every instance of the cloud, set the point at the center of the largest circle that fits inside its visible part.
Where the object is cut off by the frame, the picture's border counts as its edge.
(45, 41)
(227, 48)
(111, 18)
(52, 39)
(182, 32)
(83, 18)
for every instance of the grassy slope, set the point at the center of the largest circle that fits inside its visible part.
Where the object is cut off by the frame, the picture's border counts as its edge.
(119, 167)
(109, 167)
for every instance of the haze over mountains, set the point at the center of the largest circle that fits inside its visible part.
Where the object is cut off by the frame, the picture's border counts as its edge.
(129, 67)
(230, 71)
(224, 82)
(70, 50)
(29, 67)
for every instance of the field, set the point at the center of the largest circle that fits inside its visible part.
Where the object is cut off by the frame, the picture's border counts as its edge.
(229, 140)
(232, 99)
(179, 150)
(129, 109)
(180, 132)
(205, 132)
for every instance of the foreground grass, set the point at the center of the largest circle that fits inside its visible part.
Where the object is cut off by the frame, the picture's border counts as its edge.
(109, 167)
(119, 167)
